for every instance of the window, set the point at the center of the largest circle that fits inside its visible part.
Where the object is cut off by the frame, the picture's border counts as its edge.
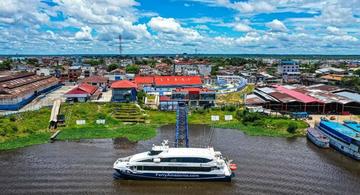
(179, 169)
(147, 160)
(152, 153)
(186, 160)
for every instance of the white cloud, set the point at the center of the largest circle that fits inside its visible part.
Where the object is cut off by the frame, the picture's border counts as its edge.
(84, 34)
(242, 27)
(171, 26)
(276, 26)
(252, 6)
(334, 30)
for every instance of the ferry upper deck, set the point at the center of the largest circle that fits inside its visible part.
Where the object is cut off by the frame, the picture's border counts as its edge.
(345, 133)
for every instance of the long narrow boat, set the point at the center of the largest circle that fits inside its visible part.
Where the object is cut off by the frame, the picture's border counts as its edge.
(342, 138)
(318, 138)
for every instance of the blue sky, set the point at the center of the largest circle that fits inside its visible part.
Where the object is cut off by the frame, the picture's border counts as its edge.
(178, 26)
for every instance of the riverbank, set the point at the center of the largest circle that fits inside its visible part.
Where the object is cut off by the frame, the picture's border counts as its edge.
(32, 127)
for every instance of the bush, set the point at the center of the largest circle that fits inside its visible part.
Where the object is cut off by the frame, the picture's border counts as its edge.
(292, 127)
(12, 118)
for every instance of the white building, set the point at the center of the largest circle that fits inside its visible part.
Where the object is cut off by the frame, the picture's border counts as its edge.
(289, 70)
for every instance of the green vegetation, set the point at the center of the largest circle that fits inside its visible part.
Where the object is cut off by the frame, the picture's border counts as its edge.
(132, 69)
(94, 62)
(132, 132)
(235, 98)
(5, 65)
(112, 67)
(24, 129)
(32, 127)
(351, 82)
(251, 123)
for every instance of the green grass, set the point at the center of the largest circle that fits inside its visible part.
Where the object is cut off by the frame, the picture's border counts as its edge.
(273, 128)
(32, 139)
(132, 132)
(267, 126)
(32, 127)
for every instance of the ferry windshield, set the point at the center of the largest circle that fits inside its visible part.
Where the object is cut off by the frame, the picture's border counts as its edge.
(152, 152)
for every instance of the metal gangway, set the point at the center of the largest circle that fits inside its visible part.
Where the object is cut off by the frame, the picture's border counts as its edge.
(54, 113)
(182, 128)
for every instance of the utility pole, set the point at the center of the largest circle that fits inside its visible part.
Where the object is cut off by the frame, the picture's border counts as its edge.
(120, 50)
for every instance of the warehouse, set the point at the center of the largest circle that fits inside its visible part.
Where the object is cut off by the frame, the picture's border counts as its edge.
(19, 89)
(316, 99)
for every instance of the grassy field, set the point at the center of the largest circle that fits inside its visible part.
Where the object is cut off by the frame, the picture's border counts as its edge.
(32, 127)
(265, 126)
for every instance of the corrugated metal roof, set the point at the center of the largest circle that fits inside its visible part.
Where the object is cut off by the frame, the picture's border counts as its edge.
(353, 96)
(297, 95)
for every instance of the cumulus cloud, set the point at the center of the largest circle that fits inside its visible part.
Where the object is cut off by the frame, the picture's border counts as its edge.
(276, 26)
(171, 26)
(84, 34)
(242, 27)
(252, 6)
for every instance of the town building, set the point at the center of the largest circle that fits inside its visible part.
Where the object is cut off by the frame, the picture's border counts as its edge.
(192, 68)
(82, 93)
(289, 71)
(99, 81)
(123, 91)
(316, 99)
(74, 72)
(19, 89)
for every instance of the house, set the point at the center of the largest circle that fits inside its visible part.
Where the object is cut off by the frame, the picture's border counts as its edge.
(98, 81)
(123, 91)
(83, 93)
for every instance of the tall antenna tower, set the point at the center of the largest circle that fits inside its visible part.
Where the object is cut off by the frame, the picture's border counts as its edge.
(120, 50)
(120, 45)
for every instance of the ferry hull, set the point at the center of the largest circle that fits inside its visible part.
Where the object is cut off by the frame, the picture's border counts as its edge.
(169, 176)
(341, 146)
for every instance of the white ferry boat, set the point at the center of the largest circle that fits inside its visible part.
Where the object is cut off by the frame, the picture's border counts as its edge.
(166, 163)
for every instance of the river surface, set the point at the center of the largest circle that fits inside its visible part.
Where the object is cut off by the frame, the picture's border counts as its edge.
(266, 165)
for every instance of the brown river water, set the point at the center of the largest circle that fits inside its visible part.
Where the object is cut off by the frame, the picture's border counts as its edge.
(266, 165)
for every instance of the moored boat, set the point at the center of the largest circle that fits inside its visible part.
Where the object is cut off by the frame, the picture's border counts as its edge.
(165, 163)
(342, 138)
(352, 125)
(318, 138)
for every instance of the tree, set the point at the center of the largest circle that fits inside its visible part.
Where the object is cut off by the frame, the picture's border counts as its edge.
(141, 97)
(112, 67)
(33, 61)
(5, 65)
(357, 72)
(132, 69)
(167, 61)
(292, 127)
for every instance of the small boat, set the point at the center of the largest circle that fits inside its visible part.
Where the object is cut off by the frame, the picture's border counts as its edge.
(165, 163)
(318, 138)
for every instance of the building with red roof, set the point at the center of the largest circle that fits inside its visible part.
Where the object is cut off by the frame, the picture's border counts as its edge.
(83, 93)
(144, 80)
(177, 81)
(123, 91)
